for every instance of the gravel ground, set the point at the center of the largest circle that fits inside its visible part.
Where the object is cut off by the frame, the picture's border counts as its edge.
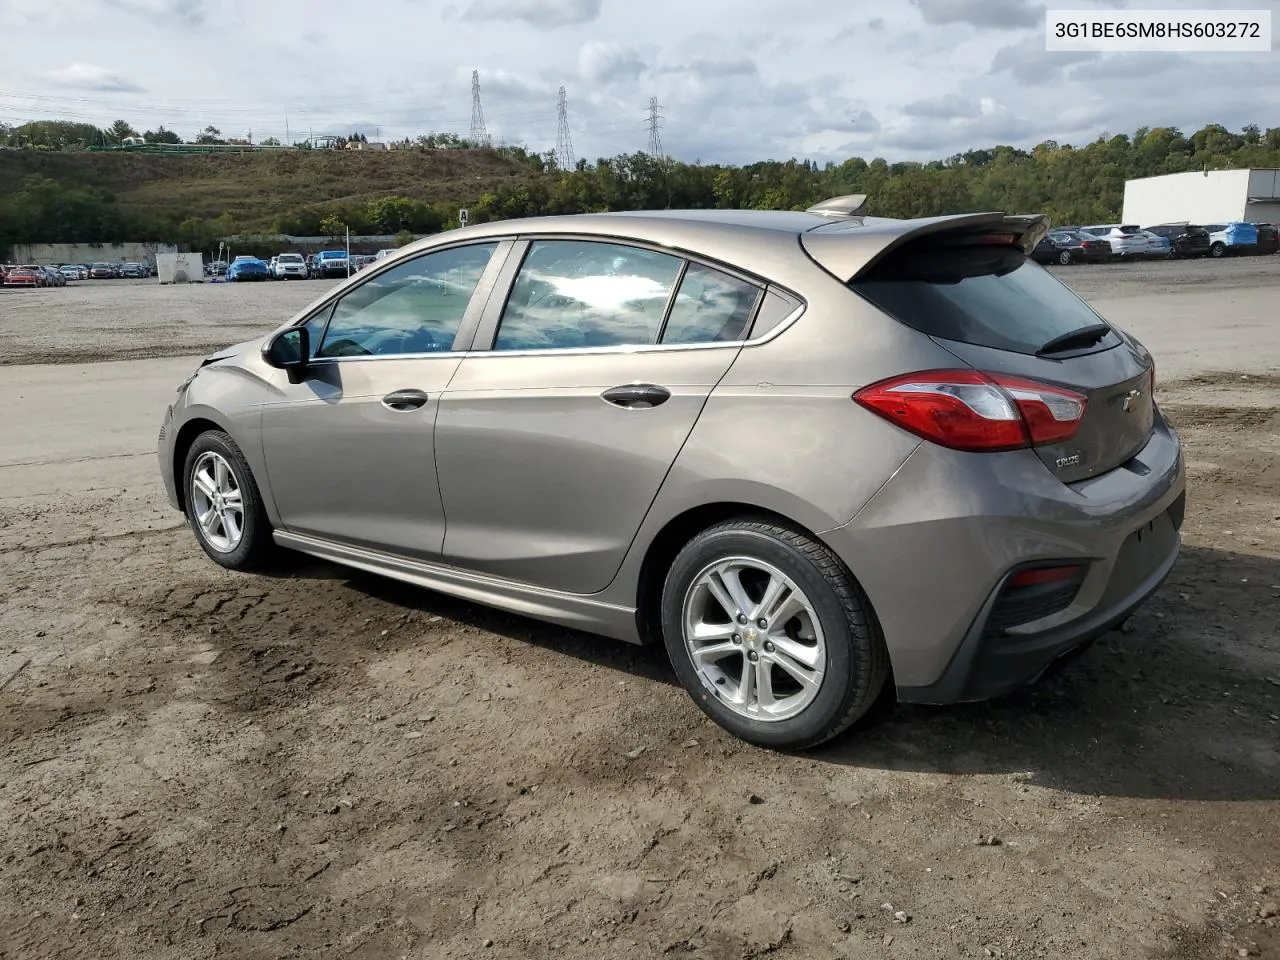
(315, 762)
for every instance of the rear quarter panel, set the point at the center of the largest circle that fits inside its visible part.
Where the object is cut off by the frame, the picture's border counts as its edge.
(781, 432)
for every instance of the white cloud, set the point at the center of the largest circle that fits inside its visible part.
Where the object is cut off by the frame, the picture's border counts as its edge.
(607, 61)
(543, 14)
(86, 76)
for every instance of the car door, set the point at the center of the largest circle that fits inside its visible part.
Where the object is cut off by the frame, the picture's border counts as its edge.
(349, 450)
(586, 379)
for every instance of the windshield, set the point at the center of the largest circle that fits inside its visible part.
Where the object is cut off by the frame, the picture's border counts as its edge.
(987, 296)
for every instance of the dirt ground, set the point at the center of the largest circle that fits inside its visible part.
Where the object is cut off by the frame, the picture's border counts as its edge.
(316, 762)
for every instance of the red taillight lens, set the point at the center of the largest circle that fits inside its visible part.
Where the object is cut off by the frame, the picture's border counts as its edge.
(975, 411)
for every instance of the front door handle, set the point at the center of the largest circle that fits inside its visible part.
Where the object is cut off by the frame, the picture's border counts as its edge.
(404, 400)
(637, 396)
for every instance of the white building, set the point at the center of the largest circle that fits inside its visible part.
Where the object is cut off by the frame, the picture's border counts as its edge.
(1212, 196)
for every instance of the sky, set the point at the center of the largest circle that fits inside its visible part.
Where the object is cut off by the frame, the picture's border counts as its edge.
(737, 80)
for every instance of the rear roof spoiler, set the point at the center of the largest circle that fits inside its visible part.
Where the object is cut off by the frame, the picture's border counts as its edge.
(848, 248)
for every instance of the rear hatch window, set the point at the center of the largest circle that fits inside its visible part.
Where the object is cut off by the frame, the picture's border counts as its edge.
(990, 296)
(998, 311)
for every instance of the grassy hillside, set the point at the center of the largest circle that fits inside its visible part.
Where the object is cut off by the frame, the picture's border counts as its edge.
(256, 188)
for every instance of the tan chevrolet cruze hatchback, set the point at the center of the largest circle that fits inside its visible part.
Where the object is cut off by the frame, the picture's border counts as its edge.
(811, 452)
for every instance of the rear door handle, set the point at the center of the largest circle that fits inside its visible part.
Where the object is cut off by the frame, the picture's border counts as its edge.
(637, 396)
(404, 400)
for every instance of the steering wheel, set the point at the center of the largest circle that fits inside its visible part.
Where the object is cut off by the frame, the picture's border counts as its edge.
(345, 348)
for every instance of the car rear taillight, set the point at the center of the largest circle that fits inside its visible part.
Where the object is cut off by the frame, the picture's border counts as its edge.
(976, 411)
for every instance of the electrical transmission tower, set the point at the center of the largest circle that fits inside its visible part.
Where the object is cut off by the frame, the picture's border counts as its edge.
(479, 135)
(564, 142)
(655, 127)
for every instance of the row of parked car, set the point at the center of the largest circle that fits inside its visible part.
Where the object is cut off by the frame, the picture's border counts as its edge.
(327, 264)
(1113, 241)
(44, 275)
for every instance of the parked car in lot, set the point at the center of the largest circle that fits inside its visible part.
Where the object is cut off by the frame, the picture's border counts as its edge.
(1159, 247)
(24, 277)
(1064, 247)
(1127, 242)
(52, 277)
(290, 266)
(668, 426)
(101, 271)
(331, 263)
(133, 271)
(247, 268)
(1187, 239)
(1268, 238)
(74, 271)
(1234, 237)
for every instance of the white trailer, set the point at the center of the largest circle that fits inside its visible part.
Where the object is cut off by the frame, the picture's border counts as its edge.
(1209, 196)
(180, 267)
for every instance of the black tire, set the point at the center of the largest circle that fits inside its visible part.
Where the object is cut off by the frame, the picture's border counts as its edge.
(857, 661)
(1219, 249)
(1065, 257)
(255, 545)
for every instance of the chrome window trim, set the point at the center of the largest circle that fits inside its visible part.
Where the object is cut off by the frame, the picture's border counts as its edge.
(582, 351)
(777, 331)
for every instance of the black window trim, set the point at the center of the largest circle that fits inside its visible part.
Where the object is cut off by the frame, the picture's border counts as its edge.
(487, 331)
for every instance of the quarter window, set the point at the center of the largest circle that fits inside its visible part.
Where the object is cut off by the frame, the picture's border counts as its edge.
(710, 307)
(574, 294)
(415, 307)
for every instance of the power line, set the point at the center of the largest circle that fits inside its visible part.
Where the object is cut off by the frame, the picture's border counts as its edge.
(479, 134)
(564, 142)
(655, 127)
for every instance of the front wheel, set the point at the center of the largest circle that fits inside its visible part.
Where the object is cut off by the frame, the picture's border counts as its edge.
(1219, 249)
(223, 505)
(770, 635)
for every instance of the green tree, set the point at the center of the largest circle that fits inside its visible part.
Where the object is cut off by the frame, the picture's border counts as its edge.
(121, 129)
(333, 227)
(161, 135)
(210, 134)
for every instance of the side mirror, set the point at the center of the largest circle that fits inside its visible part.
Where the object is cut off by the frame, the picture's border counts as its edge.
(289, 350)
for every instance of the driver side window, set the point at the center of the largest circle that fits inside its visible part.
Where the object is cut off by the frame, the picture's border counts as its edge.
(415, 307)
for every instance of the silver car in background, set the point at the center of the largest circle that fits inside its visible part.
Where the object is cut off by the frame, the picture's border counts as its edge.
(811, 453)
(1127, 242)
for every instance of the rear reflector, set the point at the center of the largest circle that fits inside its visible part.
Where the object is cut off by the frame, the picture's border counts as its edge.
(1031, 578)
(976, 411)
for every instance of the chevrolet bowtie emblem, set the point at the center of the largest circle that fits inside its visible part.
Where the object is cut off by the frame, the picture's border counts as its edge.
(1129, 399)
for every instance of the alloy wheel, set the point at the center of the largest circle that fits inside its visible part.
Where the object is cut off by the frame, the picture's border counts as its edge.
(754, 639)
(217, 502)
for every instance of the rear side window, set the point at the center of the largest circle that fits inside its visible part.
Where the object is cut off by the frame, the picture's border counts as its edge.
(710, 307)
(987, 296)
(576, 294)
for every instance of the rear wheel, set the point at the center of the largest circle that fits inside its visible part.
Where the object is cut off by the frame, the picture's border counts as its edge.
(1218, 249)
(1064, 257)
(770, 635)
(223, 505)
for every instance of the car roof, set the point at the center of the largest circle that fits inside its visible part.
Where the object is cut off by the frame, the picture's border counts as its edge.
(749, 239)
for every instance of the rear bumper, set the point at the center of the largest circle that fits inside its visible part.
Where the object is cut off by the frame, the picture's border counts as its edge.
(934, 547)
(990, 663)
